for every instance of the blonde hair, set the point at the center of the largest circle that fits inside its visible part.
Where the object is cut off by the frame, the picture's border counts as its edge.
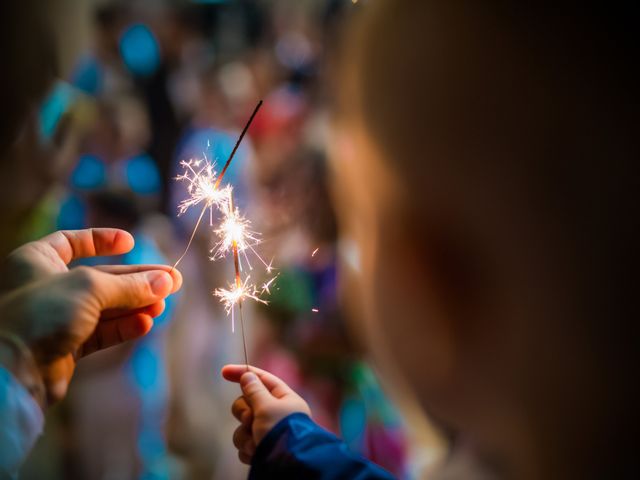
(518, 122)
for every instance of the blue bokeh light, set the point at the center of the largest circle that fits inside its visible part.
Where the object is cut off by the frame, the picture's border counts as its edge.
(89, 174)
(140, 50)
(142, 175)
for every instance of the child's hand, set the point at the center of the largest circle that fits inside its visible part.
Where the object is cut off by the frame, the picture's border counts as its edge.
(265, 401)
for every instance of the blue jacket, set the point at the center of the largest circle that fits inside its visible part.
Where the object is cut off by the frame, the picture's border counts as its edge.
(297, 448)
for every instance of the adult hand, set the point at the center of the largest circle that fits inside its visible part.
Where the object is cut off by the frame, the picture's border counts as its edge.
(52, 254)
(265, 401)
(61, 315)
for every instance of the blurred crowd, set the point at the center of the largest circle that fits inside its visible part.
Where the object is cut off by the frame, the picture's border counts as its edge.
(165, 81)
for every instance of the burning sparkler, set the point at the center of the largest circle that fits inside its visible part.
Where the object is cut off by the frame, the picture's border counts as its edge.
(203, 185)
(234, 233)
(201, 178)
(236, 237)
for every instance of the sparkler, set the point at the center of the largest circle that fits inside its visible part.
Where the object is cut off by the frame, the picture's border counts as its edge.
(234, 233)
(203, 185)
(236, 237)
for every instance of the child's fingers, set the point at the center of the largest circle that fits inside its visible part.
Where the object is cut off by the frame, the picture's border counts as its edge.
(244, 458)
(276, 386)
(233, 373)
(243, 441)
(254, 391)
(243, 413)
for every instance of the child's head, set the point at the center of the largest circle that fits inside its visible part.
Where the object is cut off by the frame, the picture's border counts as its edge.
(489, 168)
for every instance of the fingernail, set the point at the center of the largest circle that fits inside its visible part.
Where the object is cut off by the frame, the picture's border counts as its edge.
(59, 389)
(248, 378)
(160, 283)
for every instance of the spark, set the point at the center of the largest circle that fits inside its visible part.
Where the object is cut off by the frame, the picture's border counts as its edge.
(315, 251)
(235, 231)
(201, 177)
(203, 184)
(235, 236)
(266, 287)
(270, 268)
(315, 310)
(236, 293)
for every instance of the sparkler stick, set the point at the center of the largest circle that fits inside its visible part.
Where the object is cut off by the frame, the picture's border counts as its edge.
(236, 265)
(204, 189)
(234, 234)
(236, 238)
(233, 152)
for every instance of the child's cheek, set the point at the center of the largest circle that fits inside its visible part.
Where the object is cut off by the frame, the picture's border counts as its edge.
(355, 211)
(370, 197)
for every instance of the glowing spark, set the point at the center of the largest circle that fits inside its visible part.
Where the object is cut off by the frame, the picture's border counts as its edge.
(203, 184)
(236, 237)
(266, 287)
(315, 251)
(270, 269)
(237, 293)
(235, 230)
(315, 310)
(201, 178)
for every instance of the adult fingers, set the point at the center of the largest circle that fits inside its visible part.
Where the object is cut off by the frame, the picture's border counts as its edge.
(70, 245)
(56, 376)
(126, 269)
(153, 310)
(242, 412)
(113, 332)
(275, 385)
(127, 291)
(51, 254)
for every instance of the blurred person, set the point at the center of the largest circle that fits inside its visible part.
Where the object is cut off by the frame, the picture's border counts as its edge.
(101, 70)
(113, 156)
(487, 163)
(151, 46)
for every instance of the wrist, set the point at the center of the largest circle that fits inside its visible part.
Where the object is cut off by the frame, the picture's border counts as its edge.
(16, 357)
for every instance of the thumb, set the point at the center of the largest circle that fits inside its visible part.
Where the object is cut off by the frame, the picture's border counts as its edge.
(253, 390)
(128, 291)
